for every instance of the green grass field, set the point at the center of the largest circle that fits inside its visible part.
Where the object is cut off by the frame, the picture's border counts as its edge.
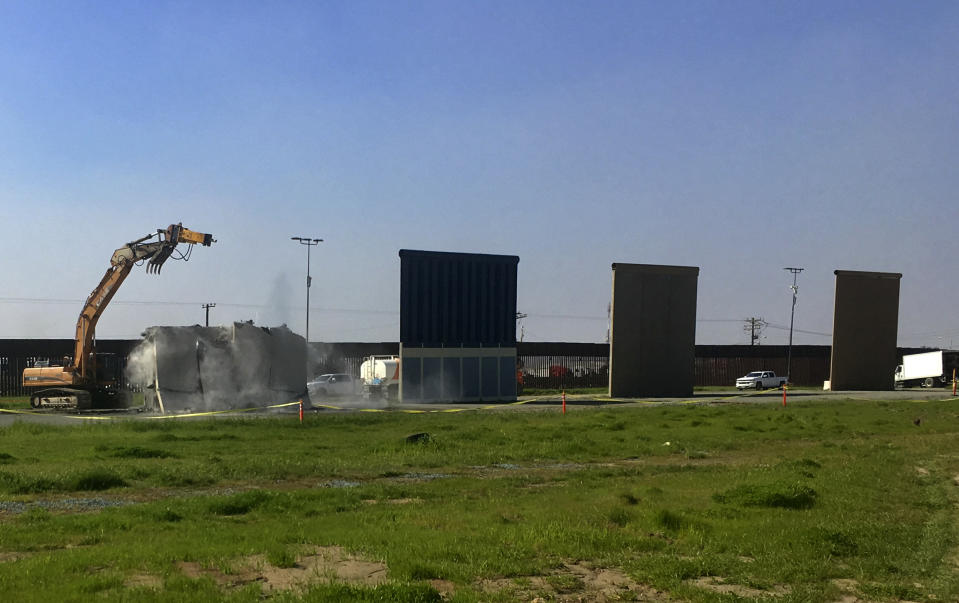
(16, 402)
(813, 502)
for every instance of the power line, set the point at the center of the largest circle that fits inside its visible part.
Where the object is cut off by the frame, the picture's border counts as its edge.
(55, 300)
(772, 325)
(167, 303)
(50, 300)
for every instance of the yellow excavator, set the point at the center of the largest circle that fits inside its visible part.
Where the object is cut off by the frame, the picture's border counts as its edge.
(78, 384)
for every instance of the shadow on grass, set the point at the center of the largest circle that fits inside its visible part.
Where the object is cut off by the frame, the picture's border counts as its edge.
(776, 495)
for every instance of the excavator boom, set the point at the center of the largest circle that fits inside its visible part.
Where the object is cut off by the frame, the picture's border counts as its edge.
(81, 372)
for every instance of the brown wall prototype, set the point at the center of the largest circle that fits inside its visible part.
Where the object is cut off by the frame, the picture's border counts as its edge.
(865, 325)
(653, 333)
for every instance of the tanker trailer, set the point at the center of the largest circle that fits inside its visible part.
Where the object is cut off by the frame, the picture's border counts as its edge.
(381, 377)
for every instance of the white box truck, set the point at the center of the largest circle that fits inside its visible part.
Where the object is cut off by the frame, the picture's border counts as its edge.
(929, 369)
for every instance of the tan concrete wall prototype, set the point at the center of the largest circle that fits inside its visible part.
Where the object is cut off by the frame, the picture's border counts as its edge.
(865, 325)
(652, 341)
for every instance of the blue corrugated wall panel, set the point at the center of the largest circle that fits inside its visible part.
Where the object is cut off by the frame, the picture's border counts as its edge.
(411, 370)
(451, 376)
(457, 299)
(432, 378)
(490, 377)
(507, 376)
(471, 381)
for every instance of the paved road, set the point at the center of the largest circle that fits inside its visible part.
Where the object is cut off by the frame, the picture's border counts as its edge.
(730, 396)
(528, 403)
(733, 395)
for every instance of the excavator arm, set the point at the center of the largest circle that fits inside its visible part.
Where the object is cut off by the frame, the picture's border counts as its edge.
(156, 249)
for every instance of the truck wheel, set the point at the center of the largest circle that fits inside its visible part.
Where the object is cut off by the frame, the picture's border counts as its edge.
(928, 382)
(759, 385)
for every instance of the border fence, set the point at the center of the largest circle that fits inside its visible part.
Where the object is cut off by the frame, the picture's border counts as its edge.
(548, 365)
(18, 354)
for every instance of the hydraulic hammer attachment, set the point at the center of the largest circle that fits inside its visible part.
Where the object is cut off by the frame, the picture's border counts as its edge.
(175, 233)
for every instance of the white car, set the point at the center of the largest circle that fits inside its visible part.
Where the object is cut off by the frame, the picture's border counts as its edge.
(333, 384)
(760, 380)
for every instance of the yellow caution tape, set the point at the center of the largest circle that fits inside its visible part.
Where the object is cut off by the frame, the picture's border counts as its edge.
(222, 412)
(49, 414)
(114, 417)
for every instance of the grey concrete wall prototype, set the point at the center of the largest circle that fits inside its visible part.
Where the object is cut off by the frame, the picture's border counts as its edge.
(864, 331)
(219, 368)
(652, 342)
(287, 363)
(176, 375)
(252, 361)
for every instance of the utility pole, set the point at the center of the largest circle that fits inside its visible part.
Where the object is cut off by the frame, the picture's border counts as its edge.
(309, 243)
(792, 316)
(755, 328)
(522, 328)
(207, 308)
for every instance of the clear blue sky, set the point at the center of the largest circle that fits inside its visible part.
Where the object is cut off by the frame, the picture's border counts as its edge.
(740, 137)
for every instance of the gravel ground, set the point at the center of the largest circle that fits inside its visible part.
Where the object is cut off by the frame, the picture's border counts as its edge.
(79, 505)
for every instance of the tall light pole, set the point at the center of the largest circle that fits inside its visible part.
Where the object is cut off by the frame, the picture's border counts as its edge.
(309, 246)
(792, 315)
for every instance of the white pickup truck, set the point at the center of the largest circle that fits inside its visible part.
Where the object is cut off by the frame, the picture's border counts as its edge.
(760, 380)
(337, 384)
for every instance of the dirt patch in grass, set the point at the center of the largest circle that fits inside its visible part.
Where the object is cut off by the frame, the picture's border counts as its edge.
(575, 582)
(393, 501)
(324, 564)
(143, 581)
(444, 587)
(9, 557)
(192, 569)
(849, 588)
(718, 584)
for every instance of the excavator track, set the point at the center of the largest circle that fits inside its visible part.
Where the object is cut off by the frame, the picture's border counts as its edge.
(61, 399)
